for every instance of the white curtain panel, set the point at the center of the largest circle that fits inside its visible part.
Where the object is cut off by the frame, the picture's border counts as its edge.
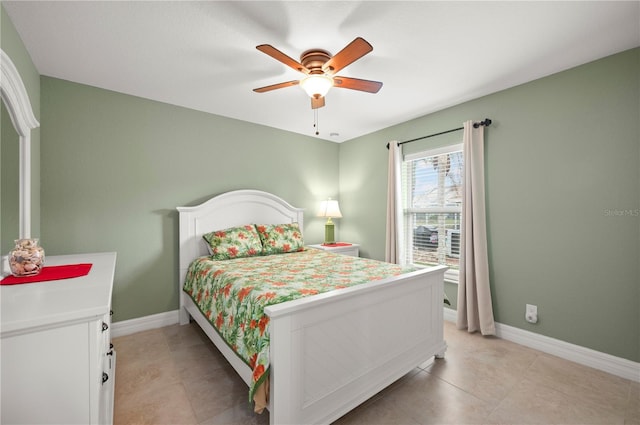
(475, 310)
(392, 248)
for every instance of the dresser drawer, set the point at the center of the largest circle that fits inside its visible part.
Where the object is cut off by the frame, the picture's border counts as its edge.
(44, 375)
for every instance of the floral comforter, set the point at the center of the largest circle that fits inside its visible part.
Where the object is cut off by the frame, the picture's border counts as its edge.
(232, 294)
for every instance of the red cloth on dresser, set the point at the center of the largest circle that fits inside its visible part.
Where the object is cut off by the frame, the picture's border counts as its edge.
(50, 273)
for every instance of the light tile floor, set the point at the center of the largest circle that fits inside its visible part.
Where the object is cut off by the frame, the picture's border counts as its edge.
(174, 375)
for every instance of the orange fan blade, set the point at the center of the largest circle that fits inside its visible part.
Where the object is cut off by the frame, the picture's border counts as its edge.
(279, 56)
(351, 53)
(276, 86)
(357, 84)
(317, 102)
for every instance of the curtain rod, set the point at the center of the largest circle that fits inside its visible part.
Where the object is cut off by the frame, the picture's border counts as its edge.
(486, 123)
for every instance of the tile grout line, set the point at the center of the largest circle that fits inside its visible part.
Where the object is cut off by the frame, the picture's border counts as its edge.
(172, 354)
(523, 377)
(486, 402)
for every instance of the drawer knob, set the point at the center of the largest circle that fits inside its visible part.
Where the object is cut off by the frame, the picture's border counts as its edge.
(105, 377)
(104, 326)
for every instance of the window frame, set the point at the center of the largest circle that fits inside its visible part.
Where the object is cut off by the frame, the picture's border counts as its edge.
(408, 212)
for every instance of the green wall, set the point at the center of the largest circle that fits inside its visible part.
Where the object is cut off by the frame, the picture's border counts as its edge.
(563, 197)
(115, 167)
(9, 174)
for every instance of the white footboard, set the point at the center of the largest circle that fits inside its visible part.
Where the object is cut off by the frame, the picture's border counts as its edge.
(331, 352)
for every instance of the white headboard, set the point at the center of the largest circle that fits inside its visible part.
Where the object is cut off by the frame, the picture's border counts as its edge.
(228, 210)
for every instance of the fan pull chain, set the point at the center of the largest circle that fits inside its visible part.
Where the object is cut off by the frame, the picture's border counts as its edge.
(315, 121)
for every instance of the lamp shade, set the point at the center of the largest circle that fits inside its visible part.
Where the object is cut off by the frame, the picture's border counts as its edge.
(316, 85)
(329, 208)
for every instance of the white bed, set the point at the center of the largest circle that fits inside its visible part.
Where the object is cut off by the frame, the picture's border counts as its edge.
(307, 388)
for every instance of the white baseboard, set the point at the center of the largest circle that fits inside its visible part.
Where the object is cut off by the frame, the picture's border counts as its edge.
(450, 315)
(605, 362)
(127, 327)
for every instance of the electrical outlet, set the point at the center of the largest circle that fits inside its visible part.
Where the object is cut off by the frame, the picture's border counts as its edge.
(531, 314)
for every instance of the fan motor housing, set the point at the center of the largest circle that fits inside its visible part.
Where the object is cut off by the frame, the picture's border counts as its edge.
(314, 59)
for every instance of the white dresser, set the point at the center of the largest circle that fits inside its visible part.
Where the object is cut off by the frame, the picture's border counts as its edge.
(57, 364)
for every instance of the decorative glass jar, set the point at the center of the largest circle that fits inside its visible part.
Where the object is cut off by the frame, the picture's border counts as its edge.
(27, 258)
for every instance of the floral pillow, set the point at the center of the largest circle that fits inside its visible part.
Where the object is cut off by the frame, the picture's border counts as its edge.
(235, 242)
(280, 238)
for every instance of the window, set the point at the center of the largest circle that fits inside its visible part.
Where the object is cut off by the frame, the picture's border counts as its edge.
(432, 208)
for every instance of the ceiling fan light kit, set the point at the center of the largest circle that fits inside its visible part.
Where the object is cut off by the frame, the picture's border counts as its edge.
(316, 86)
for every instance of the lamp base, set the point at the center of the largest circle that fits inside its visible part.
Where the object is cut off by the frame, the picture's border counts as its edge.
(329, 234)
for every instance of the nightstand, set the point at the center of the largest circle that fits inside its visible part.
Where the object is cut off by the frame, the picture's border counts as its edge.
(351, 249)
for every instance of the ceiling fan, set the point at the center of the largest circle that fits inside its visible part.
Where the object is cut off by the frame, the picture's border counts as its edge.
(320, 68)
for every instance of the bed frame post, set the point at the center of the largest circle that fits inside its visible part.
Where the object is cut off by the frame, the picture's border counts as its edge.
(183, 314)
(187, 252)
(280, 388)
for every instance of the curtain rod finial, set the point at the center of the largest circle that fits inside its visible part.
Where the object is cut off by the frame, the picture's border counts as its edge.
(487, 122)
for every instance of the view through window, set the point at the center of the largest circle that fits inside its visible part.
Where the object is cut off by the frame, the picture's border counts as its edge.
(432, 211)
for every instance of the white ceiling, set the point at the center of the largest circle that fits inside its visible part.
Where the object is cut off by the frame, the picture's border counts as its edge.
(429, 55)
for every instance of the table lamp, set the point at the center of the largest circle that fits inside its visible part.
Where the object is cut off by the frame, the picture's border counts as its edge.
(329, 209)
